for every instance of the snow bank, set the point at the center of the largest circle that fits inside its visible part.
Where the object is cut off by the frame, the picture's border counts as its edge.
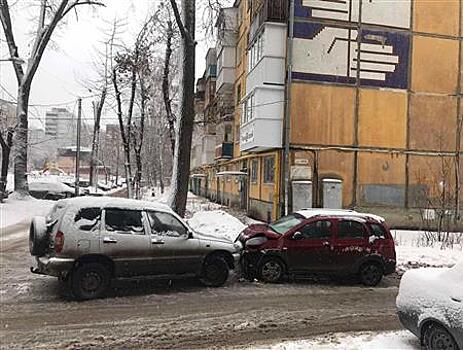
(16, 211)
(216, 223)
(411, 252)
(402, 340)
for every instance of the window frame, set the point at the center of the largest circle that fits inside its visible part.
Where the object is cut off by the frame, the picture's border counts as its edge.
(254, 171)
(266, 179)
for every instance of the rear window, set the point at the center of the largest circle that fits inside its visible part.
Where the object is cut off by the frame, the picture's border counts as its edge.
(377, 230)
(351, 229)
(88, 219)
(124, 221)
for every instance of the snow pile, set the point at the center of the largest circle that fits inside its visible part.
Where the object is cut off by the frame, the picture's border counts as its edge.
(216, 223)
(412, 253)
(402, 340)
(16, 211)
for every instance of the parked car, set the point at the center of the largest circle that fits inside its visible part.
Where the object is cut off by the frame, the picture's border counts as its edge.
(50, 190)
(87, 242)
(319, 241)
(430, 305)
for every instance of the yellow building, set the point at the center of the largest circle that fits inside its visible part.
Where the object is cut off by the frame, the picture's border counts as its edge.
(365, 96)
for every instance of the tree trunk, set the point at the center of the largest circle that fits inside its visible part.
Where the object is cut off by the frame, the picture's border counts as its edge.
(181, 166)
(20, 142)
(166, 85)
(98, 108)
(6, 148)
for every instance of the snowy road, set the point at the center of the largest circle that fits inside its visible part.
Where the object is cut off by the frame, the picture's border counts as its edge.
(36, 313)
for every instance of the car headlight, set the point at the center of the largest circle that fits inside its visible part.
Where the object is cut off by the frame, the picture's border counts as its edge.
(256, 241)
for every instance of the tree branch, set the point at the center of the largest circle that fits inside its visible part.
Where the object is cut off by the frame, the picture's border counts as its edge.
(8, 30)
(184, 33)
(77, 3)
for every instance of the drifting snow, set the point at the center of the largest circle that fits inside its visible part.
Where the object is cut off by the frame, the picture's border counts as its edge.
(402, 340)
(216, 223)
(17, 211)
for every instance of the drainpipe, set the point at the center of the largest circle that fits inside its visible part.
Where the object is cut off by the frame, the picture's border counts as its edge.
(286, 164)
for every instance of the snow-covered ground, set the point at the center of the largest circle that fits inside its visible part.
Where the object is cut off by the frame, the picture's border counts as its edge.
(412, 251)
(401, 340)
(16, 211)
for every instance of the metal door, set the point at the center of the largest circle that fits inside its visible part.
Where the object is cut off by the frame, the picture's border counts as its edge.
(302, 194)
(332, 193)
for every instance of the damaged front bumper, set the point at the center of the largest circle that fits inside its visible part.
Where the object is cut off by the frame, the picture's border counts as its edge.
(53, 266)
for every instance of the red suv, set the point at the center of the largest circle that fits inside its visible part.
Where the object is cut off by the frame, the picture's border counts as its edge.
(319, 241)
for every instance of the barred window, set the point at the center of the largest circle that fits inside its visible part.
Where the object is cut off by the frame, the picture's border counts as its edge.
(269, 169)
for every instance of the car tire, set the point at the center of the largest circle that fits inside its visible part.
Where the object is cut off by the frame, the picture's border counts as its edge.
(90, 281)
(271, 270)
(215, 272)
(370, 274)
(38, 236)
(437, 337)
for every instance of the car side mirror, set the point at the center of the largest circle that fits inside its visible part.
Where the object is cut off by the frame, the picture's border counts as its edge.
(190, 234)
(297, 235)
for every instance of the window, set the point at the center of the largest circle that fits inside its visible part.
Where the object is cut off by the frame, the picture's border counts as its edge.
(165, 224)
(269, 170)
(286, 223)
(254, 170)
(255, 51)
(124, 221)
(88, 219)
(351, 229)
(377, 230)
(248, 110)
(317, 230)
(238, 94)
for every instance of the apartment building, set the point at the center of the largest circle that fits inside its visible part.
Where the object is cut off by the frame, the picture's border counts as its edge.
(344, 104)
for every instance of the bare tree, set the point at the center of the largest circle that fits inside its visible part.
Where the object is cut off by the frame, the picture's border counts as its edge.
(50, 14)
(181, 166)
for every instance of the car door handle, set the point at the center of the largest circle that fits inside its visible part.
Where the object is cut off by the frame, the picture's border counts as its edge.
(109, 240)
(157, 241)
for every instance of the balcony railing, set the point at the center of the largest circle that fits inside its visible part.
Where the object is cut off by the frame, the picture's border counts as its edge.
(272, 11)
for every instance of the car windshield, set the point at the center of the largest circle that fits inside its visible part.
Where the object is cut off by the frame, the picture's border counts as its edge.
(286, 223)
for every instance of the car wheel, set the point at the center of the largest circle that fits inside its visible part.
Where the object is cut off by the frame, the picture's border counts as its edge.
(38, 239)
(271, 270)
(215, 272)
(371, 274)
(90, 281)
(437, 338)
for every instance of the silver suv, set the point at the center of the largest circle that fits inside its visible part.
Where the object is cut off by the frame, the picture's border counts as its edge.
(89, 241)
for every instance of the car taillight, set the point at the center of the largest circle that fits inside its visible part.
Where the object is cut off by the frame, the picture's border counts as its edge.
(59, 241)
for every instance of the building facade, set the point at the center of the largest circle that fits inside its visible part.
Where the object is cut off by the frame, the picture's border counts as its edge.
(343, 104)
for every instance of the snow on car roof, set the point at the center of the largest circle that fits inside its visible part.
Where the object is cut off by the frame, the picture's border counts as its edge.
(50, 187)
(309, 213)
(114, 202)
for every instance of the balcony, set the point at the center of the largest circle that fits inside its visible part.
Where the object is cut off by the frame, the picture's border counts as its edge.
(264, 130)
(224, 150)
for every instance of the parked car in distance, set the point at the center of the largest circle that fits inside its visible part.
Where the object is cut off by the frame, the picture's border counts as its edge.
(319, 241)
(430, 305)
(50, 190)
(88, 241)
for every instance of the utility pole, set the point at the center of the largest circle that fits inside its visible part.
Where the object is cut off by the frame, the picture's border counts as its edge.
(79, 117)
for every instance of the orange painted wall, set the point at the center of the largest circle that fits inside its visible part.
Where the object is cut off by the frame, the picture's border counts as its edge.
(322, 114)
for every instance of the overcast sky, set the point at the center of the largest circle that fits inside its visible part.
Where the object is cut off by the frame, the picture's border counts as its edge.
(69, 62)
